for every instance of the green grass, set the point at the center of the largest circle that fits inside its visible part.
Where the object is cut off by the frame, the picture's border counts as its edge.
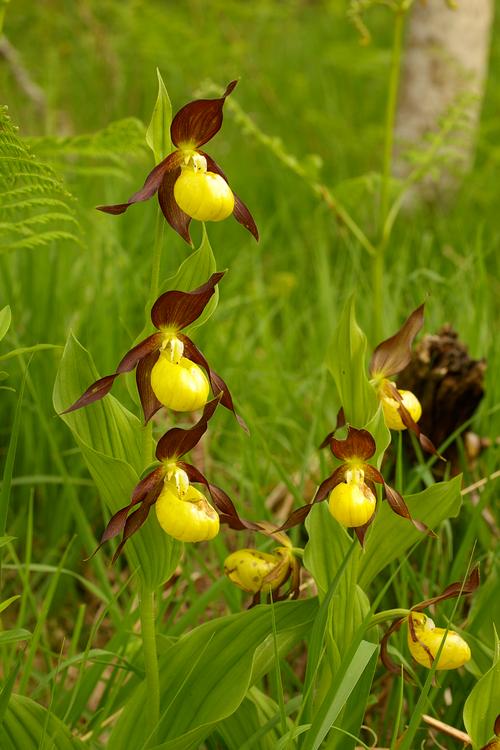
(306, 81)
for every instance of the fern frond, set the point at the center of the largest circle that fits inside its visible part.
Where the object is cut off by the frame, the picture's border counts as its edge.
(34, 202)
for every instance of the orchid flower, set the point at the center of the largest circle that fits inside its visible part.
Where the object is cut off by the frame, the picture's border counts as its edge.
(189, 183)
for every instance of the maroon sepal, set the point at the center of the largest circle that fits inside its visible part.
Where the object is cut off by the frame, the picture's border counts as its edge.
(340, 423)
(218, 385)
(198, 121)
(399, 507)
(394, 354)
(138, 518)
(240, 211)
(360, 531)
(358, 444)
(387, 661)
(409, 422)
(117, 523)
(102, 387)
(175, 309)
(178, 440)
(176, 217)
(150, 187)
(149, 402)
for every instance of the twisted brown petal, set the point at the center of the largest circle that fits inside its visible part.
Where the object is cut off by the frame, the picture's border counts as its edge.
(458, 588)
(176, 309)
(408, 420)
(394, 354)
(399, 507)
(198, 121)
(223, 503)
(218, 385)
(150, 187)
(102, 387)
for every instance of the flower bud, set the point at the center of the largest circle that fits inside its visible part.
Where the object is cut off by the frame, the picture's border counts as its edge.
(180, 386)
(455, 651)
(248, 568)
(352, 503)
(205, 196)
(189, 518)
(391, 411)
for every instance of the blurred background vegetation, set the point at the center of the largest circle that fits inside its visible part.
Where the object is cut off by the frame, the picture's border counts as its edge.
(308, 84)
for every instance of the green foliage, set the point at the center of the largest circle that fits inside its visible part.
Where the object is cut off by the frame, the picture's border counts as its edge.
(158, 132)
(481, 707)
(109, 437)
(36, 208)
(28, 725)
(205, 675)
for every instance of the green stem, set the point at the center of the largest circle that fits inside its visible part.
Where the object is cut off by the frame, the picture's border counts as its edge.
(387, 614)
(155, 268)
(147, 607)
(390, 117)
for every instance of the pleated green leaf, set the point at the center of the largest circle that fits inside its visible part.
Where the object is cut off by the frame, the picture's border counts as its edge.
(29, 726)
(483, 704)
(110, 438)
(346, 360)
(206, 674)
(391, 536)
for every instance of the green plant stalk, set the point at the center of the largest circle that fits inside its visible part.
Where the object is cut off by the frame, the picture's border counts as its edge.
(148, 630)
(390, 117)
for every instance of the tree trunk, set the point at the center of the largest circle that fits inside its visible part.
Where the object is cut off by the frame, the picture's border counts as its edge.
(444, 70)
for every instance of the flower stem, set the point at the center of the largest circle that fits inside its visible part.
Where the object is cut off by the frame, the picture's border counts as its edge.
(390, 117)
(387, 614)
(147, 607)
(155, 268)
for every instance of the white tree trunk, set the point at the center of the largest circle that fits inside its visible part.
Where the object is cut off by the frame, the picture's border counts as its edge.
(444, 70)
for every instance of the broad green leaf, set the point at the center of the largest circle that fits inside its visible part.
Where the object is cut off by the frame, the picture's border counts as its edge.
(257, 711)
(110, 438)
(29, 726)
(351, 718)
(158, 132)
(194, 271)
(338, 694)
(206, 674)
(5, 320)
(346, 360)
(391, 536)
(483, 704)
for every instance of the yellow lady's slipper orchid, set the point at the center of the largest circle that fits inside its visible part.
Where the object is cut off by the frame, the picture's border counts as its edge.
(391, 408)
(188, 517)
(189, 183)
(401, 408)
(249, 569)
(424, 640)
(168, 364)
(352, 502)
(181, 386)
